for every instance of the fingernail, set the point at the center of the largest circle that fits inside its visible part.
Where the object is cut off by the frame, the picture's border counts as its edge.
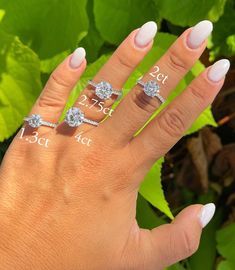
(77, 57)
(218, 70)
(206, 214)
(199, 33)
(146, 34)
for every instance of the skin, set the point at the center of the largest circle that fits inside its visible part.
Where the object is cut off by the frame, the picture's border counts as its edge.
(73, 206)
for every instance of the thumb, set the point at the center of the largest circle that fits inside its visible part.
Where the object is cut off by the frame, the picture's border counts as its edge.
(170, 243)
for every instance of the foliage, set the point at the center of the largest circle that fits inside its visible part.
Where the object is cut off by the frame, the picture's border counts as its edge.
(36, 35)
(223, 39)
(49, 27)
(184, 14)
(225, 245)
(20, 74)
(123, 16)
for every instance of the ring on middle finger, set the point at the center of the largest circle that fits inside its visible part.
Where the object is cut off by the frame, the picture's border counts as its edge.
(104, 90)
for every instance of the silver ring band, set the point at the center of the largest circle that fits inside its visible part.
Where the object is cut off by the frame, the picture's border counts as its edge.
(151, 89)
(104, 90)
(35, 121)
(75, 117)
(91, 122)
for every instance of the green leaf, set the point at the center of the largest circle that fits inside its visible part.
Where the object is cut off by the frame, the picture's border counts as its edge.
(190, 12)
(146, 216)
(116, 19)
(226, 265)
(226, 242)
(206, 118)
(48, 65)
(19, 83)
(93, 40)
(151, 189)
(2, 13)
(49, 27)
(223, 38)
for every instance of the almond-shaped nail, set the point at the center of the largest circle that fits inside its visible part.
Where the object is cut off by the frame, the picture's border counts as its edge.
(77, 57)
(206, 214)
(199, 34)
(218, 70)
(145, 34)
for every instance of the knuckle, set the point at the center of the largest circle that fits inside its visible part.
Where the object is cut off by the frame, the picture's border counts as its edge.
(172, 122)
(58, 80)
(50, 99)
(177, 62)
(53, 95)
(124, 61)
(190, 244)
(199, 95)
(143, 102)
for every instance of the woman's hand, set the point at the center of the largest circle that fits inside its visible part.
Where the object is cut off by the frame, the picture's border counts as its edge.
(70, 202)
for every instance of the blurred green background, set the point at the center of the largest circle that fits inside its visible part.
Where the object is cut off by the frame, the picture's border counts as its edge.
(35, 35)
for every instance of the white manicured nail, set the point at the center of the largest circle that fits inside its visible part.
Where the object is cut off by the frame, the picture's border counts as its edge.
(146, 34)
(206, 214)
(77, 57)
(199, 34)
(218, 70)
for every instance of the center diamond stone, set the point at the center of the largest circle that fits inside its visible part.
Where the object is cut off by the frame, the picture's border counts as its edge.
(74, 117)
(103, 90)
(35, 121)
(151, 88)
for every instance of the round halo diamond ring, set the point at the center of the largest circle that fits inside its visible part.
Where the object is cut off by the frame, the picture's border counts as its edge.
(75, 117)
(104, 90)
(35, 121)
(151, 89)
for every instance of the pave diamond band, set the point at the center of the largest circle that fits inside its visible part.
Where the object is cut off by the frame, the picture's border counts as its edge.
(151, 89)
(35, 121)
(75, 117)
(104, 90)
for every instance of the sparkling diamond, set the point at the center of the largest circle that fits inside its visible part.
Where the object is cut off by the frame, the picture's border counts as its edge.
(103, 90)
(35, 120)
(151, 88)
(74, 117)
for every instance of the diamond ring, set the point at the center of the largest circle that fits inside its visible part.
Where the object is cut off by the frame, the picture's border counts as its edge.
(35, 121)
(75, 117)
(151, 89)
(104, 90)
